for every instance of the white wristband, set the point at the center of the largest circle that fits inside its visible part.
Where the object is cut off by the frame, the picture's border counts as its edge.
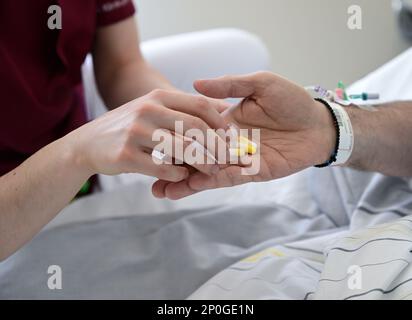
(347, 138)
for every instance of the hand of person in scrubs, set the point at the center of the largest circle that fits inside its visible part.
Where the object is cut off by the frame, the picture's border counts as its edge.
(121, 141)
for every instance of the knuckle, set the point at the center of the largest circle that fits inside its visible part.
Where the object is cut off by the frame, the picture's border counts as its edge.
(202, 102)
(158, 93)
(145, 110)
(197, 123)
(124, 155)
(133, 131)
(226, 77)
(264, 75)
(161, 171)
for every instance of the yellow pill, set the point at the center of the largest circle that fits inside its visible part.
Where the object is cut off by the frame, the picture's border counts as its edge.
(250, 146)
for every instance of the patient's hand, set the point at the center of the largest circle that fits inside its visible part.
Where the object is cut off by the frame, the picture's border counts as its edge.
(297, 132)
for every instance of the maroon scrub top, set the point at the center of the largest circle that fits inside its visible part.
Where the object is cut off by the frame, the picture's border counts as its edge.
(40, 70)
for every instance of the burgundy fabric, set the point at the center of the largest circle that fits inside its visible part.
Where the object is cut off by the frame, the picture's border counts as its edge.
(40, 70)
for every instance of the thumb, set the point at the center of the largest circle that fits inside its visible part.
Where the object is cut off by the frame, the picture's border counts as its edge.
(228, 87)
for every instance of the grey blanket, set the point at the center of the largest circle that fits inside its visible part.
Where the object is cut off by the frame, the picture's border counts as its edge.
(149, 257)
(169, 256)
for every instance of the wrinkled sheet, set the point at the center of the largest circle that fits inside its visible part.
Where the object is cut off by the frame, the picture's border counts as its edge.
(126, 244)
(372, 237)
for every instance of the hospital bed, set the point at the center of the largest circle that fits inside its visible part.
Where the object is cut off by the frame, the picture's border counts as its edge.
(257, 241)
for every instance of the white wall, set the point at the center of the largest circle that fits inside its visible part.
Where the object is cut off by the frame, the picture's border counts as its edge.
(308, 39)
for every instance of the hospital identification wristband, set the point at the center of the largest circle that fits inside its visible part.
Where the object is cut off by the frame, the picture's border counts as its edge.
(345, 139)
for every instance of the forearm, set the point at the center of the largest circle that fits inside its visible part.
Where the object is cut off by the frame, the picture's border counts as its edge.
(35, 192)
(130, 82)
(383, 139)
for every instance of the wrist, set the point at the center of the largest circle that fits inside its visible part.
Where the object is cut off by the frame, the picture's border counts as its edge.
(359, 158)
(74, 157)
(344, 143)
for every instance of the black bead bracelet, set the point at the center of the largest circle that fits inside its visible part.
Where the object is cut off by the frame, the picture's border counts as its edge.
(333, 158)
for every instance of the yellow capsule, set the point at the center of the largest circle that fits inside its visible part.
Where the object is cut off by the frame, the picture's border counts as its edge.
(249, 146)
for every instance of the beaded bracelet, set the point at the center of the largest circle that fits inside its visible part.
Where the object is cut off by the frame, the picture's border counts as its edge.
(333, 158)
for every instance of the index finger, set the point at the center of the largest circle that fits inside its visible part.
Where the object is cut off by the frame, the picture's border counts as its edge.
(199, 106)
